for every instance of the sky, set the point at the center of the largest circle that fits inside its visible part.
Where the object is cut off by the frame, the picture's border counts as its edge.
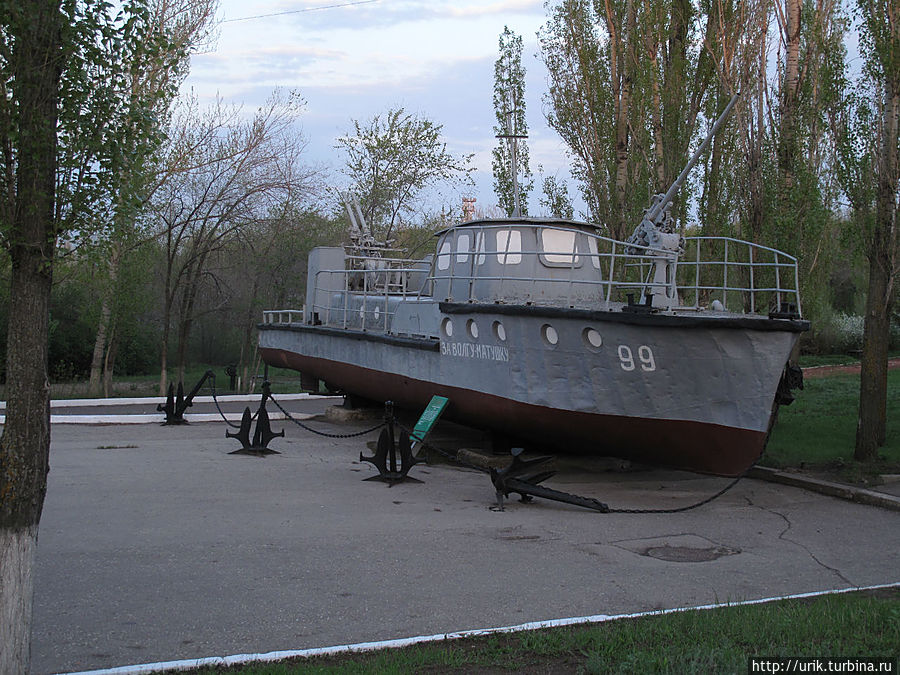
(353, 59)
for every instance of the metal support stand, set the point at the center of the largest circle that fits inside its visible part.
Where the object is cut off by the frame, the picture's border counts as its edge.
(263, 433)
(175, 405)
(385, 457)
(522, 477)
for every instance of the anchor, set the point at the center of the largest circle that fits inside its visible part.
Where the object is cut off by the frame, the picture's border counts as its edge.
(522, 477)
(175, 405)
(385, 457)
(263, 433)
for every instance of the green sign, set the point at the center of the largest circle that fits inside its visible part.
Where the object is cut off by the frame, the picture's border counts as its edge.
(428, 418)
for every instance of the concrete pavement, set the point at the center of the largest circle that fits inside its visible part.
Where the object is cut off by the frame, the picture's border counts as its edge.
(156, 544)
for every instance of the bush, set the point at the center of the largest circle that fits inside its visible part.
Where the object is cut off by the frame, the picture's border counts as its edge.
(841, 333)
(837, 333)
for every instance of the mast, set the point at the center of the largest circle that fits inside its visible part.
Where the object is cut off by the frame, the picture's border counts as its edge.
(513, 139)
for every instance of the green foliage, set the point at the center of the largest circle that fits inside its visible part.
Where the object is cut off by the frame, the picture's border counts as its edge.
(512, 176)
(105, 127)
(626, 84)
(555, 198)
(390, 160)
(71, 333)
(579, 101)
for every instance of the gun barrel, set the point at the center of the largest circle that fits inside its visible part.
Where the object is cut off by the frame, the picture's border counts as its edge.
(660, 206)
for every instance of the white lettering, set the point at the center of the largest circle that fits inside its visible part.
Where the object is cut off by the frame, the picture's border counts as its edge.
(468, 350)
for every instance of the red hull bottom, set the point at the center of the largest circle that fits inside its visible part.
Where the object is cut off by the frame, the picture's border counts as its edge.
(695, 446)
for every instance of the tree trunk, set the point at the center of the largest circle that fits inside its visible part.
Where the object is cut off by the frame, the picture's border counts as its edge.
(871, 428)
(25, 445)
(103, 324)
(24, 448)
(247, 350)
(186, 314)
(109, 363)
(872, 421)
(17, 552)
(164, 350)
(626, 59)
(787, 151)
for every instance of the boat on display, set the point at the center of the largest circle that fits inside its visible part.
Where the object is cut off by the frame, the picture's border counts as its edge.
(664, 349)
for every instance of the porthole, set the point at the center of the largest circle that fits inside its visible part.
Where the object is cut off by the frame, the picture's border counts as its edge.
(592, 339)
(549, 335)
(499, 331)
(472, 329)
(447, 327)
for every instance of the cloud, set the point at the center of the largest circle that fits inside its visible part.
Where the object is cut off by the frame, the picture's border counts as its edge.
(495, 8)
(324, 15)
(432, 58)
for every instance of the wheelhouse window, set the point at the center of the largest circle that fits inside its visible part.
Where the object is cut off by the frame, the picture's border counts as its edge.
(509, 247)
(592, 249)
(462, 248)
(558, 248)
(443, 260)
(479, 248)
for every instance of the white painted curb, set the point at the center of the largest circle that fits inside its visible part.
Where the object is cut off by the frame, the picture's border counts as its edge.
(158, 418)
(228, 398)
(238, 659)
(141, 418)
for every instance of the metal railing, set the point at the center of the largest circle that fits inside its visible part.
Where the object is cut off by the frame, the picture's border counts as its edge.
(596, 272)
(369, 292)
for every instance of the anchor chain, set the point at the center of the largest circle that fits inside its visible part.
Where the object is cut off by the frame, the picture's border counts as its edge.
(445, 453)
(559, 495)
(212, 387)
(322, 433)
(681, 509)
(591, 502)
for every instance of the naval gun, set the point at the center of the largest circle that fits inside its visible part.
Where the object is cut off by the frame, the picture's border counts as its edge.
(656, 230)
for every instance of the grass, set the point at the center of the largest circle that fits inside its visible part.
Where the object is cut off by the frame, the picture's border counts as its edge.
(819, 428)
(708, 641)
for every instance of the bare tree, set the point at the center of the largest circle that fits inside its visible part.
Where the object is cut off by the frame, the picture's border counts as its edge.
(244, 169)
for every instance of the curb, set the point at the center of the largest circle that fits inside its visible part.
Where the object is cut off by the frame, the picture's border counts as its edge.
(825, 487)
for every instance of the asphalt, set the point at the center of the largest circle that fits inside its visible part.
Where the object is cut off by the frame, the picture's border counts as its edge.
(156, 544)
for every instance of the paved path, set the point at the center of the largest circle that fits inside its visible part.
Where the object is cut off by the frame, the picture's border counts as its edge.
(156, 544)
(847, 369)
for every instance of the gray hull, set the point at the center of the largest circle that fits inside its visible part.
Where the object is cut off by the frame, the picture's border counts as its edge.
(685, 391)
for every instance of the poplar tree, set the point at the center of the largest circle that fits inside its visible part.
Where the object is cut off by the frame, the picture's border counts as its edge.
(61, 141)
(868, 135)
(512, 175)
(32, 39)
